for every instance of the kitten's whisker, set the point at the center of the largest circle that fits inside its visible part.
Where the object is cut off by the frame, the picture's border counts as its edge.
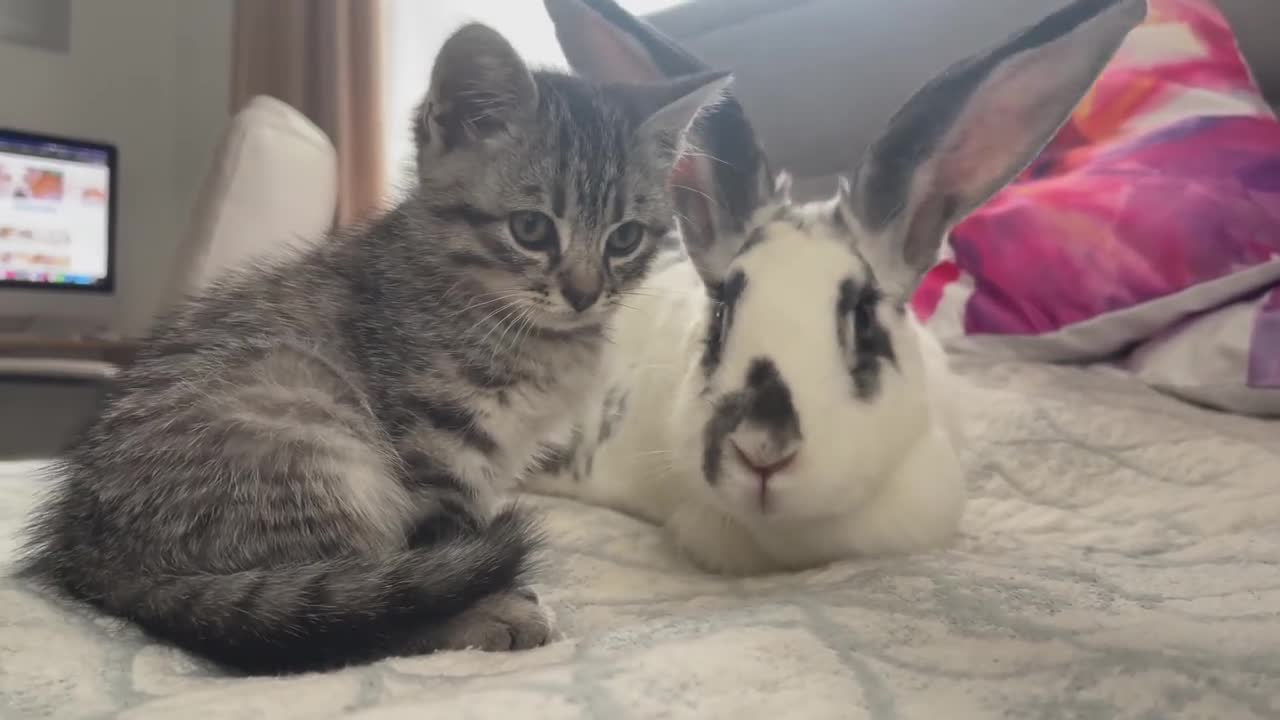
(515, 348)
(682, 216)
(481, 324)
(703, 154)
(495, 312)
(710, 199)
(473, 306)
(522, 335)
(694, 150)
(509, 308)
(521, 313)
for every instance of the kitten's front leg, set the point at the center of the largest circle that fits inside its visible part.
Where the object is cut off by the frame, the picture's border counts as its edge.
(506, 620)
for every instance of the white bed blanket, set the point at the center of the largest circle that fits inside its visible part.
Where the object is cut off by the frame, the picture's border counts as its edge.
(1120, 559)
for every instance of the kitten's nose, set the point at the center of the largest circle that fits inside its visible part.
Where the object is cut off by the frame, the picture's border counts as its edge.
(579, 295)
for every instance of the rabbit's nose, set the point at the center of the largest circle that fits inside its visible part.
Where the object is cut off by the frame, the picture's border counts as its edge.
(765, 462)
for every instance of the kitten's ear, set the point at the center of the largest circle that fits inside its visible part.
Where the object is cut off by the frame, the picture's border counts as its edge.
(479, 88)
(720, 184)
(971, 130)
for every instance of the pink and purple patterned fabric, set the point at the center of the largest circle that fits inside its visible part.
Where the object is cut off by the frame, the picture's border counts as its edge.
(1159, 200)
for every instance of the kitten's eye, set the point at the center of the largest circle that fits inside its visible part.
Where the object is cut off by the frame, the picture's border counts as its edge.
(624, 239)
(532, 229)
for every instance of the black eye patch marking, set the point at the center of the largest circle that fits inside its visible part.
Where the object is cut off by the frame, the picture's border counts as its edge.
(863, 340)
(723, 300)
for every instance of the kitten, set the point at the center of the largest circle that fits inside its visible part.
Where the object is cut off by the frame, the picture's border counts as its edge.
(303, 468)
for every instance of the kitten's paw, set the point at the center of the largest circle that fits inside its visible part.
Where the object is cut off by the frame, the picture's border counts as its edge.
(503, 621)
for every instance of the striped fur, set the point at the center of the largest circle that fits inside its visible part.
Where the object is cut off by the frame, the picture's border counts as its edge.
(304, 467)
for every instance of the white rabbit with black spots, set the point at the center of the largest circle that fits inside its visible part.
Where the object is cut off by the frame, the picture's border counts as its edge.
(770, 399)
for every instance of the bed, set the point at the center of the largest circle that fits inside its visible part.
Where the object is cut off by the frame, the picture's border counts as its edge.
(1119, 559)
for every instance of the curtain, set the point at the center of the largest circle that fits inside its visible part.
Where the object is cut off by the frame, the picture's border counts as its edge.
(324, 58)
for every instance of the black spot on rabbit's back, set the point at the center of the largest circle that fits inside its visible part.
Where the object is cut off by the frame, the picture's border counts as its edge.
(559, 459)
(612, 411)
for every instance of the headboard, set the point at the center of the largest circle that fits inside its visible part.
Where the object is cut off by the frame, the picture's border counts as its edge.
(801, 58)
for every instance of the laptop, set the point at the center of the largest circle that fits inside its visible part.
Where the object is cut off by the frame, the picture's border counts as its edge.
(57, 235)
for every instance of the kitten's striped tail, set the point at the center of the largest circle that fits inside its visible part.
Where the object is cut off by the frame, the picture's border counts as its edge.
(326, 614)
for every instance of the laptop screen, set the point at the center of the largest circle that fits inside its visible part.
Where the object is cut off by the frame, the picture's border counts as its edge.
(56, 212)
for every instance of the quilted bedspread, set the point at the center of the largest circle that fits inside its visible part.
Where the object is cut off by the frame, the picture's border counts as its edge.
(1120, 559)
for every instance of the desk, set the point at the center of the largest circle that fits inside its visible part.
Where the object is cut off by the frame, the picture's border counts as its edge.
(90, 359)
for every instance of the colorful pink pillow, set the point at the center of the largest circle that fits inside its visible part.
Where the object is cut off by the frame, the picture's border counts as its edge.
(1159, 199)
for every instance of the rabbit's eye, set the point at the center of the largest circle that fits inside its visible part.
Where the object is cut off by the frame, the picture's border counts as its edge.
(724, 299)
(722, 317)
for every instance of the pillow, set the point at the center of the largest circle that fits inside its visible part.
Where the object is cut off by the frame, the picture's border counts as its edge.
(1159, 199)
(1227, 359)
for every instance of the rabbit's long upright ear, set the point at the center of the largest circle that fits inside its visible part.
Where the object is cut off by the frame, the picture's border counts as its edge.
(971, 130)
(724, 177)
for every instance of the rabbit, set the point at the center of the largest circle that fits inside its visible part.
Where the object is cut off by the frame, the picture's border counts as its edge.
(769, 398)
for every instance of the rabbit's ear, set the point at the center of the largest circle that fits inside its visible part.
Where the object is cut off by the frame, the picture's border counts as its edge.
(724, 177)
(971, 130)
(603, 42)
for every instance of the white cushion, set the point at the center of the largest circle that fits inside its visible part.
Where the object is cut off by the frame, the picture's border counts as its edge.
(273, 185)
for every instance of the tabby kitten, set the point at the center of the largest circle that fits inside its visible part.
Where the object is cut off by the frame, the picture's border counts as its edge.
(303, 469)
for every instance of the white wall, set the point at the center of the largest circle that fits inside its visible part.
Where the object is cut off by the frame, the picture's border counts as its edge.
(415, 30)
(201, 88)
(150, 76)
